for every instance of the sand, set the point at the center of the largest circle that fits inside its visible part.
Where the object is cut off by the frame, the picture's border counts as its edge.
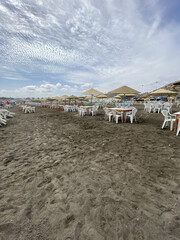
(83, 178)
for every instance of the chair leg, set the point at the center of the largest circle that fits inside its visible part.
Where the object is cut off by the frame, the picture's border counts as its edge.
(171, 126)
(164, 124)
(131, 118)
(178, 130)
(117, 118)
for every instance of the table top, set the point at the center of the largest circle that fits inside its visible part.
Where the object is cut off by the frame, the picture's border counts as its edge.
(121, 109)
(177, 113)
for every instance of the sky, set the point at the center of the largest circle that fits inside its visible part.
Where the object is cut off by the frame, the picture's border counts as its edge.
(55, 47)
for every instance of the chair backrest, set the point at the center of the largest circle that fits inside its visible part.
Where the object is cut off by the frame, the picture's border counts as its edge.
(165, 113)
(114, 113)
(167, 109)
(167, 104)
(134, 111)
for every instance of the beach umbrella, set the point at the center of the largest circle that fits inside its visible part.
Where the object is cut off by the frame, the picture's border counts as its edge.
(64, 97)
(81, 97)
(90, 97)
(124, 90)
(72, 97)
(58, 98)
(146, 99)
(92, 92)
(102, 96)
(162, 92)
(127, 94)
(171, 98)
(117, 96)
(43, 99)
(51, 99)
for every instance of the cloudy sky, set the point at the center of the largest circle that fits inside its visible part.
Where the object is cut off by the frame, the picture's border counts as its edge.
(55, 47)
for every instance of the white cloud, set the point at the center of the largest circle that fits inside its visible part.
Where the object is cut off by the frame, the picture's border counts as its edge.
(44, 90)
(58, 85)
(86, 86)
(29, 88)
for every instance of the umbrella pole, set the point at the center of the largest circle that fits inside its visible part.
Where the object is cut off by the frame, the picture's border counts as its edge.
(124, 101)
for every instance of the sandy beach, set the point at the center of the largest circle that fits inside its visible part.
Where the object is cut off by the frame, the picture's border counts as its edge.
(65, 177)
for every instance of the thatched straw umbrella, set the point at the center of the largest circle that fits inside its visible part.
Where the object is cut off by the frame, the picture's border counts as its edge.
(124, 90)
(51, 99)
(91, 92)
(117, 96)
(162, 92)
(102, 96)
(64, 97)
(72, 97)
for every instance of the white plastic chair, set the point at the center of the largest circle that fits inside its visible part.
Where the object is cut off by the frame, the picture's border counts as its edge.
(108, 114)
(178, 127)
(157, 107)
(119, 115)
(79, 111)
(83, 112)
(131, 115)
(93, 111)
(5, 113)
(168, 118)
(33, 109)
(2, 121)
(148, 107)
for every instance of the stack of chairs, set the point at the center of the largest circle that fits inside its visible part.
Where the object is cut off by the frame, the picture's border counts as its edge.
(4, 114)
